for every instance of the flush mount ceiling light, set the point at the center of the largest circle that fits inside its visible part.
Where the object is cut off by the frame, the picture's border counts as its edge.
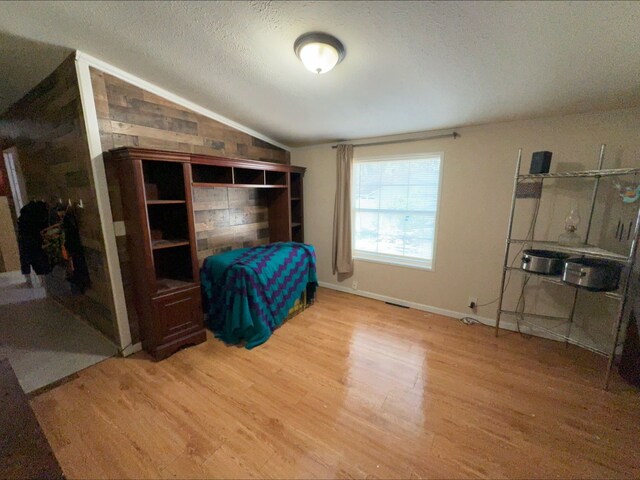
(319, 52)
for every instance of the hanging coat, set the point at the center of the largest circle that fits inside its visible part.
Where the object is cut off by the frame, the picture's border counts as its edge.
(34, 217)
(78, 273)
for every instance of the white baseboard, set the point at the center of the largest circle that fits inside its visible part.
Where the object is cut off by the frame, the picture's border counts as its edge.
(131, 349)
(490, 322)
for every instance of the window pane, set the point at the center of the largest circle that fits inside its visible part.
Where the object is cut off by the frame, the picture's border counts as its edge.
(368, 197)
(419, 235)
(393, 173)
(393, 197)
(371, 172)
(366, 231)
(425, 171)
(391, 233)
(395, 205)
(418, 197)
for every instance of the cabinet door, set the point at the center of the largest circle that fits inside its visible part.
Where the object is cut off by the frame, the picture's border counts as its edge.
(178, 314)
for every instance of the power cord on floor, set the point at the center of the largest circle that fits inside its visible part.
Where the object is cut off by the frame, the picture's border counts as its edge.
(530, 235)
(519, 313)
(469, 320)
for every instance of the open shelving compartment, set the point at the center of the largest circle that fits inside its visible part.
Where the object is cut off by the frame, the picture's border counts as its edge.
(557, 280)
(248, 176)
(212, 174)
(168, 225)
(284, 191)
(275, 177)
(163, 182)
(167, 215)
(172, 268)
(207, 175)
(297, 224)
(621, 295)
(560, 327)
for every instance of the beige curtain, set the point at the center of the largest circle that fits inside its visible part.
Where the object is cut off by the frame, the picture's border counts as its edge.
(342, 256)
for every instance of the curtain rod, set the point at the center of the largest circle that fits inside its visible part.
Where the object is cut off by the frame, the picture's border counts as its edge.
(388, 142)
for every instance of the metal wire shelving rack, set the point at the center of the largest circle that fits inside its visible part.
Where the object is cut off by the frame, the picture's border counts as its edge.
(622, 296)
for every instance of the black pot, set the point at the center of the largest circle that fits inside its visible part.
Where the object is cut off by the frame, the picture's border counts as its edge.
(592, 274)
(544, 262)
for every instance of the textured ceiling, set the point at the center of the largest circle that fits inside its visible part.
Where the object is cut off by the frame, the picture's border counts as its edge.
(409, 66)
(23, 64)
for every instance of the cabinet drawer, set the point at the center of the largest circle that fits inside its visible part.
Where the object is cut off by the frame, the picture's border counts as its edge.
(177, 314)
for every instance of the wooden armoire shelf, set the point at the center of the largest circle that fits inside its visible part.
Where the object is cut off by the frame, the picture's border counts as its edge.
(156, 190)
(165, 202)
(241, 185)
(295, 204)
(160, 244)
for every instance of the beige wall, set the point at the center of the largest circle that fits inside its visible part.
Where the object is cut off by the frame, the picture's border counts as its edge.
(476, 192)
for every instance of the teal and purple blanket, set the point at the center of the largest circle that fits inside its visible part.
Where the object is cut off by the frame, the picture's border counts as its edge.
(247, 293)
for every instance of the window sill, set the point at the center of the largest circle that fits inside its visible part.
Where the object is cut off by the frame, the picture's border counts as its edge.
(415, 264)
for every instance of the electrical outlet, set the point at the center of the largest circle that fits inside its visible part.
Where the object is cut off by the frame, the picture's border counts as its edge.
(354, 284)
(472, 303)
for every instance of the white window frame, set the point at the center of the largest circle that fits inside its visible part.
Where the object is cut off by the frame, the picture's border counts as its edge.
(389, 259)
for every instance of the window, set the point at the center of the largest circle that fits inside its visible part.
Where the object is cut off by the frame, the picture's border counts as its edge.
(395, 202)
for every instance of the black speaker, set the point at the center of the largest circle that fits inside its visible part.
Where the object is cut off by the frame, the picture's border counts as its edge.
(540, 162)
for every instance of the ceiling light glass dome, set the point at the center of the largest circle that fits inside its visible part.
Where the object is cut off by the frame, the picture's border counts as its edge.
(319, 52)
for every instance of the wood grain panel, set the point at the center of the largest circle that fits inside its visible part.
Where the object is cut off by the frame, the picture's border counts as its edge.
(229, 218)
(351, 387)
(136, 113)
(134, 130)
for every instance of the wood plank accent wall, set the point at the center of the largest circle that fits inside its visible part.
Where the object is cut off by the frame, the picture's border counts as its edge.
(47, 127)
(129, 116)
(229, 218)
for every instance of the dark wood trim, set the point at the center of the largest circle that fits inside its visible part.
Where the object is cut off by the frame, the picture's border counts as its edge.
(296, 203)
(134, 153)
(236, 185)
(144, 247)
(165, 202)
(192, 228)
(161, 246)
(239, 162)
(164, 155)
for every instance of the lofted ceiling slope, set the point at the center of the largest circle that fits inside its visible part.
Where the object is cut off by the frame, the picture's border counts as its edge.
(410, 66)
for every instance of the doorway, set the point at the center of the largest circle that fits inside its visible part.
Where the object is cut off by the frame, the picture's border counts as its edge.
(15, 177)
(12, 199)
(43, 340)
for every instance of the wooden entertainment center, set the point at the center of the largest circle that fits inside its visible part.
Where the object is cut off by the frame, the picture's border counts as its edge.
(157, 196)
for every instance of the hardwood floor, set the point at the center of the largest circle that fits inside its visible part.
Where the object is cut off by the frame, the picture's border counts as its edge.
(351, 387)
